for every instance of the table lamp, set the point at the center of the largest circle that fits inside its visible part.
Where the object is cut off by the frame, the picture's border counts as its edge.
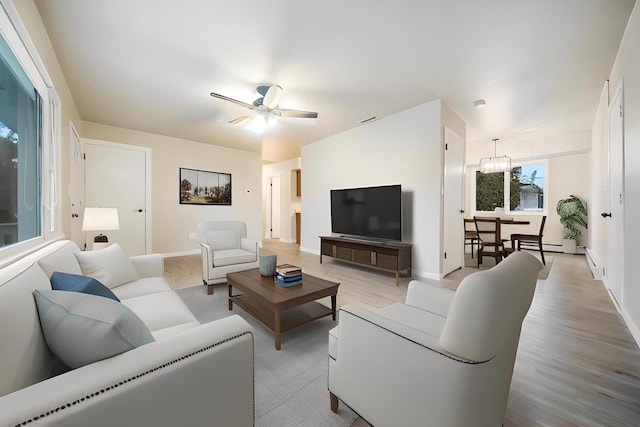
(100, 219)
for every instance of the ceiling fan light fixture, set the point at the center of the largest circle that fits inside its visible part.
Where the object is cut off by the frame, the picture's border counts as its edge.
(257, 124)
(272, 97)
(495, 164)
(273, 120)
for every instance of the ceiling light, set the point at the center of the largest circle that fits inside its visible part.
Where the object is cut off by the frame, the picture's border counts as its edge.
(480, 103)
(257, 124)
(495, 163)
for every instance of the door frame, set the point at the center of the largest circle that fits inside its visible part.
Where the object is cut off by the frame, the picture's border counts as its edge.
(147, 185)
(616, 293)
(452, 264)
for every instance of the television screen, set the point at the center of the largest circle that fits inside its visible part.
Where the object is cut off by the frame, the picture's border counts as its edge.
(373, 212)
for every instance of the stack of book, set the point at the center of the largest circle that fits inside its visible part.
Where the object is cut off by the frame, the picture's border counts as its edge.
(288, 275)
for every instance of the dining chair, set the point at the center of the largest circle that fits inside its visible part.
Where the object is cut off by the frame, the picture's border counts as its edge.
(470, 234)
(530, 239)
(491, 244)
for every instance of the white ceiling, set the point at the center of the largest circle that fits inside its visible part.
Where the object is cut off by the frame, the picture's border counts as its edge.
(150, 65)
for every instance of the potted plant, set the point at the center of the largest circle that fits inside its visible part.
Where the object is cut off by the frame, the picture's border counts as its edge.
(573, 214)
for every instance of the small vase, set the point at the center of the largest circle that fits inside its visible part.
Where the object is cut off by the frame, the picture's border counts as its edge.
(268, 265)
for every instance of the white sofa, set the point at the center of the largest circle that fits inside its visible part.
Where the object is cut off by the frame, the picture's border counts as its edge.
(442, 358)
(225, 249)
(192, 374)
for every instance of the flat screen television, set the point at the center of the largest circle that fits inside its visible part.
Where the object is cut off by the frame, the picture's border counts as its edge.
(368, 212)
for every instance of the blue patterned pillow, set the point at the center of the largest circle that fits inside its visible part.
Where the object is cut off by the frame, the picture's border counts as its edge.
(76, 283)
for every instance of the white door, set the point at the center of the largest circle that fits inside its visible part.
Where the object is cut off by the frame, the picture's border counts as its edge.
(76, 191)
(274, 226)
(116, 176)
(453, 226)
(613, 271)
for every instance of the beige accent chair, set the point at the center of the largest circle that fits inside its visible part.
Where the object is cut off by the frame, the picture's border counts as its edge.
(225, 249)
(443, 358)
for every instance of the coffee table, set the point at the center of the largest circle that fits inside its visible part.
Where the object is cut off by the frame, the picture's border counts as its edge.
(281, 309)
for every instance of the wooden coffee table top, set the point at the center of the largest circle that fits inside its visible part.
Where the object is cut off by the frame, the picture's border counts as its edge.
(311, 288)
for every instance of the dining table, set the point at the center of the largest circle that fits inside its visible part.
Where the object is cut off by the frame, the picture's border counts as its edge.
(508, 221)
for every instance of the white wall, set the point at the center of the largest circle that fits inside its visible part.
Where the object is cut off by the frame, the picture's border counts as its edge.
(627, 67)
(568, 173)
(172, 222)
(400, 149)
(289, 202)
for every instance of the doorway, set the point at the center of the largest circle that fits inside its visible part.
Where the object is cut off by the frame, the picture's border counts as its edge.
(118, 176)
(273, 208)
(613, 272)
(452, 222)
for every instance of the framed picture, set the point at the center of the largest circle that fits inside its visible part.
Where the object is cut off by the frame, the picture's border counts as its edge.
(204, 188)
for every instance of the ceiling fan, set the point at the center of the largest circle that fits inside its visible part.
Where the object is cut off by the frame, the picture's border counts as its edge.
(265, 109)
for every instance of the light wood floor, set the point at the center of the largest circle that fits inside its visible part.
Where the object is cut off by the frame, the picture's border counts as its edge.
(577, 363)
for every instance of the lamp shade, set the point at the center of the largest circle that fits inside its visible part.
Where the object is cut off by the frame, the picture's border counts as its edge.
(100, 219)
(495, 164)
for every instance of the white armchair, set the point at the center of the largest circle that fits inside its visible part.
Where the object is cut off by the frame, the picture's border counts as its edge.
(442, 358)
(225, 249)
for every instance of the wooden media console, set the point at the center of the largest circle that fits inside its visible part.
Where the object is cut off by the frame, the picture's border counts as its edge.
(394, 257)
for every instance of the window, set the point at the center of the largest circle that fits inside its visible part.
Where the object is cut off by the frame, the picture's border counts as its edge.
(20, 152)
(520, 191)
(29, 119)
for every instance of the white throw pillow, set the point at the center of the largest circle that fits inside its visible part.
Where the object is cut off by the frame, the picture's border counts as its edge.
(226, 239)
(81, 328)
(110, 266)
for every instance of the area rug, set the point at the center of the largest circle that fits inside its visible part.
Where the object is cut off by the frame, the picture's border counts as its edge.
(291, 384)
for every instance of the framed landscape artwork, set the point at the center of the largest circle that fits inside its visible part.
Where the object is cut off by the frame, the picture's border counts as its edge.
(204, 188)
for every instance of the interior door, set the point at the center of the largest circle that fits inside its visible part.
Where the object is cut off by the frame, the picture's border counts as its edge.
(453, 226)
(613, 271)
(275, 207)
(116, 176)
(76, 191)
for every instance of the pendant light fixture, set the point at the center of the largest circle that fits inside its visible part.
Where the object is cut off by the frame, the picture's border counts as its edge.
(495, 164)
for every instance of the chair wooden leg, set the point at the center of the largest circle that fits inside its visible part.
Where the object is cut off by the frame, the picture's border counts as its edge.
(209, 289)
(541, 252)
(334, 402)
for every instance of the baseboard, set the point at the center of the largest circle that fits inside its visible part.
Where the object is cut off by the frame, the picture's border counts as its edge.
(633, 328)
(597, 269)
(183, 253)
(309, 250)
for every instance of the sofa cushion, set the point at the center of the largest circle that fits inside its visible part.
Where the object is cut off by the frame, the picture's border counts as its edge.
(221, 240)
(231, 257)
(81, 328)
(161, 310)
(110, 266)
(140, 287)
(76, 283)
(63, 259)
(422, 320)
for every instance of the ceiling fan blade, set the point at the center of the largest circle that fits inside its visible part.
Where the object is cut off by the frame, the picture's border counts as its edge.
(235, 101)
(272, 97)
(296, 113)
(240, 120)
(262, 90)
